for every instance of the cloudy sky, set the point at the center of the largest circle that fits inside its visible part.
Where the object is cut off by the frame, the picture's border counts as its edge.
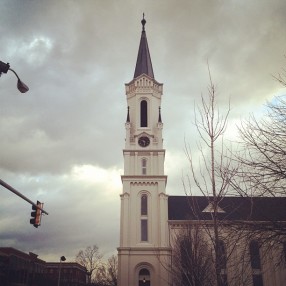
(61, 143)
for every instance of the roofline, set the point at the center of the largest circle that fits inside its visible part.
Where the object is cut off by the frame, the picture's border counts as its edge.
(141, 75)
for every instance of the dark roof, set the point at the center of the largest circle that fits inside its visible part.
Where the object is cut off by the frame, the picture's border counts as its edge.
(10, 251)
(143, 64)
(65, 265)
(233, 208)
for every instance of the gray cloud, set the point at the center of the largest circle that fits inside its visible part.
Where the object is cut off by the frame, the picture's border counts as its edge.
(76, 56)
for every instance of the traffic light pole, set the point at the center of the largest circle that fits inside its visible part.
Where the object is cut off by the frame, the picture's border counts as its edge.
(5, 185)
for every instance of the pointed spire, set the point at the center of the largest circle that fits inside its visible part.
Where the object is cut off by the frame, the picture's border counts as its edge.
(143, 64)
(128, 117)
(159, 119)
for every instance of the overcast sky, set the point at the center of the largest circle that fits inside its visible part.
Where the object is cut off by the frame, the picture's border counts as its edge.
(61, 143)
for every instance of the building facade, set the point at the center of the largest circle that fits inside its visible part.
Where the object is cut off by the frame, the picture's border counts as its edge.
(251, 246)
(252, 239)
(69, 273)
(21, 269)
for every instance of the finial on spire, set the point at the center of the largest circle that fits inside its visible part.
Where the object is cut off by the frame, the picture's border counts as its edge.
(143, 22)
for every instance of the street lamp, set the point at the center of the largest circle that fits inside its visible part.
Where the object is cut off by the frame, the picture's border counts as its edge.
(20, 85)
(60, 267)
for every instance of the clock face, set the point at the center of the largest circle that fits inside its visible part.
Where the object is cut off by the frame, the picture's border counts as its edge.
(143, 141)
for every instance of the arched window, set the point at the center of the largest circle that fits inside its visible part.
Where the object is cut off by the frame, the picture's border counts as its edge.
(144, 166)
(144, 205)
(144, 277)
(143, 114)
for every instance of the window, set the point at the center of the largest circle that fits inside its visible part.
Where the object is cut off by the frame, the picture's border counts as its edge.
(222, 262)
(255, 263)
(144, 277)
(257, 280)
(144, 205)
(284, 250)
(143, 114)
(254, 255)
(144, 220)
(223, 278)
(144, 230)
(222, 254)
(144, 166)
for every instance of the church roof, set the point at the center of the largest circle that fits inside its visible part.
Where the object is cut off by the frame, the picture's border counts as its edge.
(230, 208)
(143, 64)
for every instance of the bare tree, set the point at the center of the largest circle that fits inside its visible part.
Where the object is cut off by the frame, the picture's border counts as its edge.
(90, 258)
(112, 266)
(264, 149)
(263, 167)
(192, 258)
(264, 156)
(216, 178)
(215, 173)
(106, 273)
(281, 77)
(100, 276)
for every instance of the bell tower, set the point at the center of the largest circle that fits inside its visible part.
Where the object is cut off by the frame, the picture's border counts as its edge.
(144, 250)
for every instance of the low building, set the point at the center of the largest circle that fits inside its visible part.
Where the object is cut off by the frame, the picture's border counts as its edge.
(69, 273)
(21, 269)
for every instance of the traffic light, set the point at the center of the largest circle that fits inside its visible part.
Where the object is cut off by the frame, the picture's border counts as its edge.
(36, 215)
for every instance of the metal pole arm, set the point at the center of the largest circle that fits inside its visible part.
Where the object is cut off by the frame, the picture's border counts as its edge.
(5, 185)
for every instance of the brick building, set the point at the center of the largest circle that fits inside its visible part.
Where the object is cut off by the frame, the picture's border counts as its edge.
(71, 273)
(21, 269)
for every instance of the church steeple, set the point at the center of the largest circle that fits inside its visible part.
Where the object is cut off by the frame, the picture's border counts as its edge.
(144, 242)
(143, 64)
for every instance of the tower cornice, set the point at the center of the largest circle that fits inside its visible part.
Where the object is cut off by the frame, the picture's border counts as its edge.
(144, 180)
(149, 151)
(144, 84)
(146, 76)
(144, 177)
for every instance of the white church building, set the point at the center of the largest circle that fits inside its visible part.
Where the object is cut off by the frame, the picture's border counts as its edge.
(149, 217)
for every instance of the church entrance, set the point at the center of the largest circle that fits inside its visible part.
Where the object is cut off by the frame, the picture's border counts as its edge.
(144, 277)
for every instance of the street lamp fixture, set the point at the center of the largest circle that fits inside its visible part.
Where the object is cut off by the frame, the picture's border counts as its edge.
(62, 258)
(20, 85)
